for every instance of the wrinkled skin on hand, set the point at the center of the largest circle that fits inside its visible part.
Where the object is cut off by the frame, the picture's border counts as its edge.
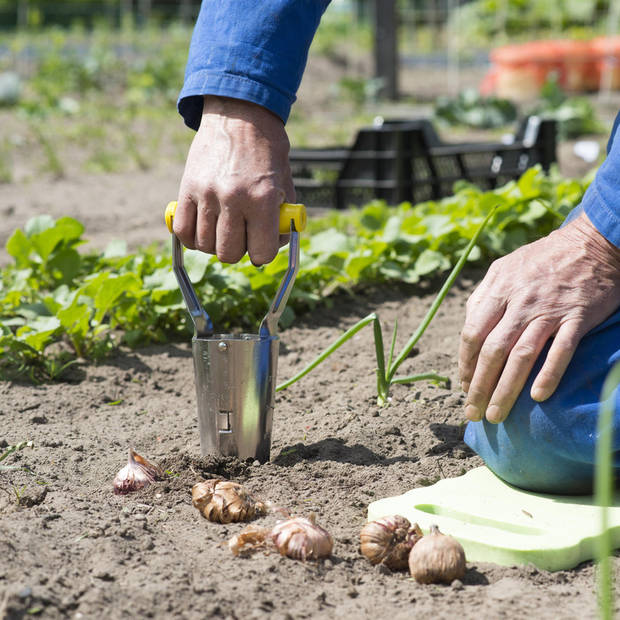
(236, 177)
(560, 286)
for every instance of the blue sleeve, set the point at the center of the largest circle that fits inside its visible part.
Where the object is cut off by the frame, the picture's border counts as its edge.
(254, 50)
(601, 202)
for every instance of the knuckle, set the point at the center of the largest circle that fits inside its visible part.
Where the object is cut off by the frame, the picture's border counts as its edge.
(492, 353)
(470, 336)
(524, 353)
(265, 196)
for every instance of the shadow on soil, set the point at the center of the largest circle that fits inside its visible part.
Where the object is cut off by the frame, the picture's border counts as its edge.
(337, 450)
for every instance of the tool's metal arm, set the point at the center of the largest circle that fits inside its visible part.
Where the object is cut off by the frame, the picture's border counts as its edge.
(269, 325)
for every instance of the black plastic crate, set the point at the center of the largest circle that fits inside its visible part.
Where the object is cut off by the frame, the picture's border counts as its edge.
(405, 160)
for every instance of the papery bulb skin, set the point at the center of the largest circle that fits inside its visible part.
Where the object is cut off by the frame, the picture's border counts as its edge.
(389, 540)
(136, 475)
(437, 558)
(300, 538)
(249, 539)
(224, 501)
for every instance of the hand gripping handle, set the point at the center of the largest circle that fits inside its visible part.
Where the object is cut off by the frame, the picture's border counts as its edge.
(292, 221)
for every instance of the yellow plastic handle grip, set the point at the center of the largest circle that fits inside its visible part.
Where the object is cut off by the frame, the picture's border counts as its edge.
(295, 212)
(288, 212)
(171, 208)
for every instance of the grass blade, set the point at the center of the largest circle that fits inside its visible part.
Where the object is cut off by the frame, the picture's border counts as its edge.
(603, 488)
(438, 299)
(323, 356)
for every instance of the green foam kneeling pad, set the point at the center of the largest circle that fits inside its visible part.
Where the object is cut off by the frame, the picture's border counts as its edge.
(499, 523)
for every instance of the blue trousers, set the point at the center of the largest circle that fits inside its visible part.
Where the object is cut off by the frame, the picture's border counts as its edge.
(548, 447)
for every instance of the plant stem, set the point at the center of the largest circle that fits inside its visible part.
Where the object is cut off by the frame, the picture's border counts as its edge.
(323, 356)
(603, 487)
(438, 299)
(382, 384)
(425, 376)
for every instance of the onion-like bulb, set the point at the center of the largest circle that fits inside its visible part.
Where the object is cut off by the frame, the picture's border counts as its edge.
(302, 539)
(437, 558)
(137, 474)
(224, 501)
(389, 540)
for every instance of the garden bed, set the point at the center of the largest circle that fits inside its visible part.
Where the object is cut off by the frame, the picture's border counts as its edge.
(71, 548)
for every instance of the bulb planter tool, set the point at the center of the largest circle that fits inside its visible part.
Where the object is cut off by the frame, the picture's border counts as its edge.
(235, 374)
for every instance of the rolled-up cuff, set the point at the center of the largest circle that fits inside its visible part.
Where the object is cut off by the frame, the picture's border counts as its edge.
(205, 82)
(604, 219)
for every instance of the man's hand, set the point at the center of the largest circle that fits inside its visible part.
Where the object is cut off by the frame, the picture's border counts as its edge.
(562, 286)
(236, 177)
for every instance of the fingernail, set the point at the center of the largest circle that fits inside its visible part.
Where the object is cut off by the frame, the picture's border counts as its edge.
(494, 414)
(538, 394)
(473, 413)
(465, 386)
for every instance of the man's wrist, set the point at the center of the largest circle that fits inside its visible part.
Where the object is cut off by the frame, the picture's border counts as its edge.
(596, 243)
(238, 108)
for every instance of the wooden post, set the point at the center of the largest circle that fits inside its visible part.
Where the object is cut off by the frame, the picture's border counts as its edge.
(386, 46)
(185, 11)
(22, 13)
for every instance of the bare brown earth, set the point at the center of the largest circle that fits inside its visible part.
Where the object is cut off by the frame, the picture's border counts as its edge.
(70, 548)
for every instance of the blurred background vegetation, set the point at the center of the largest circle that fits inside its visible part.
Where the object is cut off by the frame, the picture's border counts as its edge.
(91, 85)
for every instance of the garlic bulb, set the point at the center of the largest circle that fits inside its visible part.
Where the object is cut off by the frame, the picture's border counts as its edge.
(302, 539)
(437, 558)
(137, 474)
(389, 540)
(224, 501)
(252, 536)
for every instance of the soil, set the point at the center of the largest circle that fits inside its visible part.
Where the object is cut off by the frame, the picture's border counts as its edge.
(70, 548)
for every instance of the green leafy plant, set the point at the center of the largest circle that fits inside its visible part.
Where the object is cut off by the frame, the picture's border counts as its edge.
(471, 109)
(58, 305)
(386, 369)
(575, 115)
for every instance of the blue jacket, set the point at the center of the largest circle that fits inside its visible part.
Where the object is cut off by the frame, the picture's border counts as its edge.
(256, 50)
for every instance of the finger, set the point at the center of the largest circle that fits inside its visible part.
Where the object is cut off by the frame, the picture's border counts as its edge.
(558, 358)
(262, 229)
(184, 222)
(290, 196)
(517, 369)
(480, 319)
(489, 366)
(230, 239)
(206, 223)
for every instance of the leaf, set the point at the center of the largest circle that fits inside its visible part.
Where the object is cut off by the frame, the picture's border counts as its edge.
(75, 318)
(115, 249)
(110, 291)
(65, 231)
(39, 224)
(196, 264)
(430, 261)
(330, 242)
(19, 247)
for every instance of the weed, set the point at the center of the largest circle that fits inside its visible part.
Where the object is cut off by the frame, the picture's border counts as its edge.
(53, 162)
